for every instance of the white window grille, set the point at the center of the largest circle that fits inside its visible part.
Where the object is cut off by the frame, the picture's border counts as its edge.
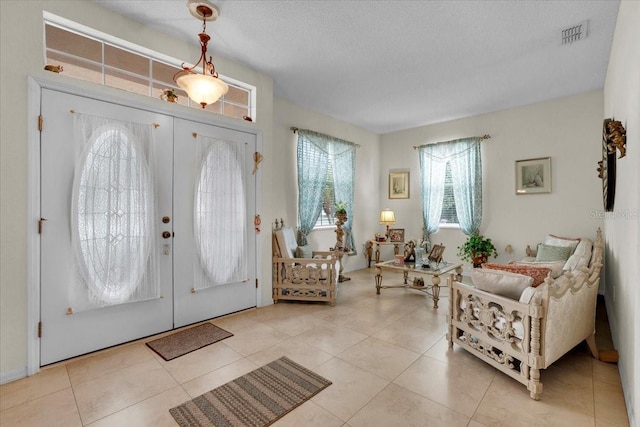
(449, 215)
(327, 215)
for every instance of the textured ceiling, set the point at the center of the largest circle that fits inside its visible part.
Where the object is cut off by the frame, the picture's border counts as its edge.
(392, 65)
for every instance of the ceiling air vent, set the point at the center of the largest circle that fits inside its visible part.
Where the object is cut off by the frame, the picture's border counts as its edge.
(575, 33)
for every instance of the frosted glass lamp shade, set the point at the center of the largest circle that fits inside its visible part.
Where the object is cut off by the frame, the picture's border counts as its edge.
(202, 89)
(387, 217)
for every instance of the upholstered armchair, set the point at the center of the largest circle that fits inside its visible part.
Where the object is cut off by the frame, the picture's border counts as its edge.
(300, 273)
(520, 327)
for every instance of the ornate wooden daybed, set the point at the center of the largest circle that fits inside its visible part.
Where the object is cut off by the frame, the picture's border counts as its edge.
(299, 273)
(521, 337)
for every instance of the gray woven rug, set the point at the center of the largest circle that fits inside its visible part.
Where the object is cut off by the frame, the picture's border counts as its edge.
(258, 398)
(188, 340)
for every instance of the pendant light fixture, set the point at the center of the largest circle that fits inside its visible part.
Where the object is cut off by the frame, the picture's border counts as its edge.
(205, 88)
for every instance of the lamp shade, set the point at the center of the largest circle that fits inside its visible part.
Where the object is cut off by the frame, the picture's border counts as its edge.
(202, 89)
(387, 217)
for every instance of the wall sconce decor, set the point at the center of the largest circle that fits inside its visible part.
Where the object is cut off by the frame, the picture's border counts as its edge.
(613, 136)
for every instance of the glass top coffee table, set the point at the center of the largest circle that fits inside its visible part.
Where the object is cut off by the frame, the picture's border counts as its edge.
(413, 272)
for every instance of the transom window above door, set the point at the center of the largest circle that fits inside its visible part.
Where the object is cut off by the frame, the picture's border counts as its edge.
(90, 55)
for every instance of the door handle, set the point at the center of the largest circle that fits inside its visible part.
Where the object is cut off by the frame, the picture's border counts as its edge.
(166, 234)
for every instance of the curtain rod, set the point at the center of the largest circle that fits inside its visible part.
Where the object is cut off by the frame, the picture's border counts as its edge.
(295, 130)
(482, 138)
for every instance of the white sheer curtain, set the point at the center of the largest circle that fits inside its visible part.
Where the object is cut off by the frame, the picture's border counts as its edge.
(220, 213)
(432, 169)
(464, 157)
(113, 227)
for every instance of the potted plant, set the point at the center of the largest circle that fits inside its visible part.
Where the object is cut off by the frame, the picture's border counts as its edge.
(341, 209)
(477, 249)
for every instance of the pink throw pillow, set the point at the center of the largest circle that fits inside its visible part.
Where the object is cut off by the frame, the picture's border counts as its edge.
(537, 273)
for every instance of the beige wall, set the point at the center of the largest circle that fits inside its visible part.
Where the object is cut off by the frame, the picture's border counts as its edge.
(568, 130)
(622, 278)
(366, 196)
(21, 47)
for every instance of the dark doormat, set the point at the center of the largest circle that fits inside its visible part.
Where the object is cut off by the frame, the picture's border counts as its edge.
(188, 340)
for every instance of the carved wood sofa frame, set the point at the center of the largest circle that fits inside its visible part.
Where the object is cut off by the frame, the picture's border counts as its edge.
(484, 324)
(304, 279)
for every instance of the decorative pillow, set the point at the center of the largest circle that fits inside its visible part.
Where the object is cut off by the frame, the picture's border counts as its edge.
(556, 267)
(562, 241)
(553, 253)
(581, 256)
(538, 274)
(304, 251)
(500, 282)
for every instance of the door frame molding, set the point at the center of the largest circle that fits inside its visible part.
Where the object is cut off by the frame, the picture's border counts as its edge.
(35, 84)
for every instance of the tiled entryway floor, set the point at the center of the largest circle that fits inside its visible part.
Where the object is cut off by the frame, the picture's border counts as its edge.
(386, 355)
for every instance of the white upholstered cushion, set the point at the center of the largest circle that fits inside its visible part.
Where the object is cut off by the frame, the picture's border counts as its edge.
(570, 242)
(500, 282)
(581, 255)
(287, 243)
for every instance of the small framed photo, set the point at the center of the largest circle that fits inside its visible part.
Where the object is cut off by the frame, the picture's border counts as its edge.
(533, 176)
(436, 253)
(399, 185)
(396, 234)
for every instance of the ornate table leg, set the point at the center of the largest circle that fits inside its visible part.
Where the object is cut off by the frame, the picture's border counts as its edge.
(378, 280)
(396, 249)
(377, 253)
(369, 252)
(435, 290)
(406, 276)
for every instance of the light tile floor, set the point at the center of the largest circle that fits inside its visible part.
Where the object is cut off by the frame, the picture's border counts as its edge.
(385, 354)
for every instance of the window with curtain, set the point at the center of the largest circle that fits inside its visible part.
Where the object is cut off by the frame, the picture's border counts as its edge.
(326, 170)
(462, 198)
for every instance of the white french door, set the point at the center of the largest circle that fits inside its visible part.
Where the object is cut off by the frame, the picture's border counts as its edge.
(73, 272)
(192, 302)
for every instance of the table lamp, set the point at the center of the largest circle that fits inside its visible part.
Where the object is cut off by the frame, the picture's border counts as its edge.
(387, 217)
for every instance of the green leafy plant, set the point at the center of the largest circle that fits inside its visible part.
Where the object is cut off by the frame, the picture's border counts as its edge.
(477, 249)
(341, 207)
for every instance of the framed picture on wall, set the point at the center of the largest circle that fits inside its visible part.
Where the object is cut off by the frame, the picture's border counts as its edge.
(533, 176)
(396, 234)
(399, 185)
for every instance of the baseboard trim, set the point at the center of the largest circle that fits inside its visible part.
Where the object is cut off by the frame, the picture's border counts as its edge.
(12, 375)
